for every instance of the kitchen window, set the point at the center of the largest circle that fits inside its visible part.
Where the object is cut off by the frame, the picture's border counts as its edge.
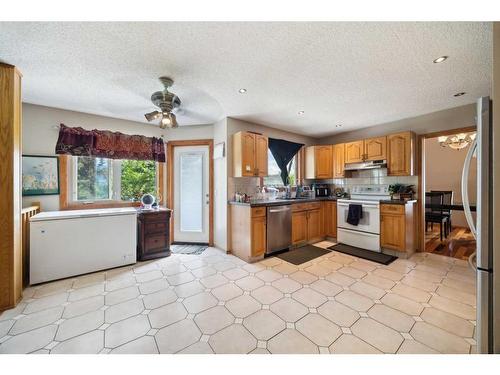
(273, 177)
(101, 179)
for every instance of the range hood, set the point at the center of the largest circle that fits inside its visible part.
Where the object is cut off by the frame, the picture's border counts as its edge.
(373, 164)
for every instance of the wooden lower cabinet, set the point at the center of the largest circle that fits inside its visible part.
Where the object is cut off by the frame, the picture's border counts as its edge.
(248, 232)
(299, 227)
(330, 219)
(397, 227)
(258, 236)
(314, 225)
(312, 222)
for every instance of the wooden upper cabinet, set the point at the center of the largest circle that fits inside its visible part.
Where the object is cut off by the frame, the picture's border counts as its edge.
(354, 152)
(375, 148)
(319, 162)
(338, 161)
(400, 154)
(249, 154)
(261, 151)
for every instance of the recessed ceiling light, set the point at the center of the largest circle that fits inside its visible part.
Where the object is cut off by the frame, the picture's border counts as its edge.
(459, 94)
(301, 112)
(440, 59)
(242, 91)
(338, 125)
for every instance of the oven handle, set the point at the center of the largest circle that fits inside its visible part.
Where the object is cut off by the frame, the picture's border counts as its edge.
(374, 205)
(359, 232)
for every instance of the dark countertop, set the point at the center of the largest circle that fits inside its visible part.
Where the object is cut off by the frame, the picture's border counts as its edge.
(395, 201)
(281, 202)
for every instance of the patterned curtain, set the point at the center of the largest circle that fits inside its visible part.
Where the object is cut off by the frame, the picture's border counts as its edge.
(111, 145)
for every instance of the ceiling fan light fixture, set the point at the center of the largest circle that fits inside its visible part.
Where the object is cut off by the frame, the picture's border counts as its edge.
(152, 115)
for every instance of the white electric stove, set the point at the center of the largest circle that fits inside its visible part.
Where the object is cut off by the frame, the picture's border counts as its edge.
(366, 234)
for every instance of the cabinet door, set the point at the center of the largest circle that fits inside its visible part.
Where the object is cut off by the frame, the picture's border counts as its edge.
(299, 227)
(399, 158)
(314, 225)
(261, 150)
(375, 148)
(248, 154)
(392, 232)
(258, 236)
(338, 161)
(354, 152)
(331, 219)
(323, 160)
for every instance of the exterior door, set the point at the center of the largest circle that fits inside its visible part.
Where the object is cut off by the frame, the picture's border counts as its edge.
(191, 194)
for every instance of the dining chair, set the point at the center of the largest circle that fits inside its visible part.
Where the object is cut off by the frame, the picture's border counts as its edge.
(435, 214)
(448, 201)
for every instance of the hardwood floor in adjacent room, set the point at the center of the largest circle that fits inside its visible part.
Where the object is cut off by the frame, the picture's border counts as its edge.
(461, 239)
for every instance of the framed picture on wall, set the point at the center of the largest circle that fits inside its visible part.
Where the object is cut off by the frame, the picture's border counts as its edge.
(40, 175)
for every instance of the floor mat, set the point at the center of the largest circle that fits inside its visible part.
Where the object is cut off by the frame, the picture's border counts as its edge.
(365, 254)
(188, 249)
(302, 254)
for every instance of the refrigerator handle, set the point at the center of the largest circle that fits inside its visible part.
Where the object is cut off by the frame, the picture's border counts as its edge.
(465, 188)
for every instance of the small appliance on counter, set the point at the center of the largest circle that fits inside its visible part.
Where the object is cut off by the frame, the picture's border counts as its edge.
(321, 191)
(339, 192)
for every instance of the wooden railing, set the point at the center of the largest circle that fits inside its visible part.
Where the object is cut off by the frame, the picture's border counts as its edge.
(26, 213)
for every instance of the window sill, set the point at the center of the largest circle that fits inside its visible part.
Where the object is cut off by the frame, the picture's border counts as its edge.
(93, 205)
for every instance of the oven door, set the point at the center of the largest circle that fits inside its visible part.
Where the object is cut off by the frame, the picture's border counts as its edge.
(370, 222)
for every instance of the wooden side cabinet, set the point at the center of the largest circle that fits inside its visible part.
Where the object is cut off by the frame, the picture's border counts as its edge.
(338, 160)
(397, 227)
(153, 234)
(299, 227)
(248, 232)
(330, 218)
(319, 162)
(354, 152)
(400, 154)
(249, 155)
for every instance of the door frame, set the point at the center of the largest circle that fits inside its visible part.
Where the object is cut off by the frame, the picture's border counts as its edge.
(170, 181)
(421, 177)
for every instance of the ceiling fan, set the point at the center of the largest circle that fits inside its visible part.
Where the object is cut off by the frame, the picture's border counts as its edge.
(167, 102)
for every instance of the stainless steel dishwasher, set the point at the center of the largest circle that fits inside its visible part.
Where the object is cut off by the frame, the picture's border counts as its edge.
(279, 228)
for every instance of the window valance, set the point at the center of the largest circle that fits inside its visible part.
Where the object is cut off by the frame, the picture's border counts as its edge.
(106, 144)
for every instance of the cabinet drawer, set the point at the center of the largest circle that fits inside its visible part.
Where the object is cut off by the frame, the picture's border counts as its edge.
(314, 206)
(258, 211)
(392, 209)
(156, 227)
(300, 207)
(160, 217)
(156, 242)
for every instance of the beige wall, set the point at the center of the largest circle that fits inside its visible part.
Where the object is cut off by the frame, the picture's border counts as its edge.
(220, 188)
(454, 118)
(40, 137)
(443, 171)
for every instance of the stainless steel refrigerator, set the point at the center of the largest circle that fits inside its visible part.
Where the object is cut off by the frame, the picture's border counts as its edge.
(488, 297)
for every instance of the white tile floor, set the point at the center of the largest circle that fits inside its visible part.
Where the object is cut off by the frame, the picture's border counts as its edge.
(216, 303)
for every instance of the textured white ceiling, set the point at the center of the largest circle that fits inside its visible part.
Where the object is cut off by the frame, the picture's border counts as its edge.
(355, 74)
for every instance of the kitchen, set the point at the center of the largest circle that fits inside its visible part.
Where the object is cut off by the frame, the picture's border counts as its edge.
(257, 220)
(362, 170)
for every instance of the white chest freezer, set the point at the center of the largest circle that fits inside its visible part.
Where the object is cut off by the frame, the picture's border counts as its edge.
(75, 242)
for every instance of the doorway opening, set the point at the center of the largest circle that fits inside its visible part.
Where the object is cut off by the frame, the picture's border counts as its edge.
(190, 191)
(444, 228)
